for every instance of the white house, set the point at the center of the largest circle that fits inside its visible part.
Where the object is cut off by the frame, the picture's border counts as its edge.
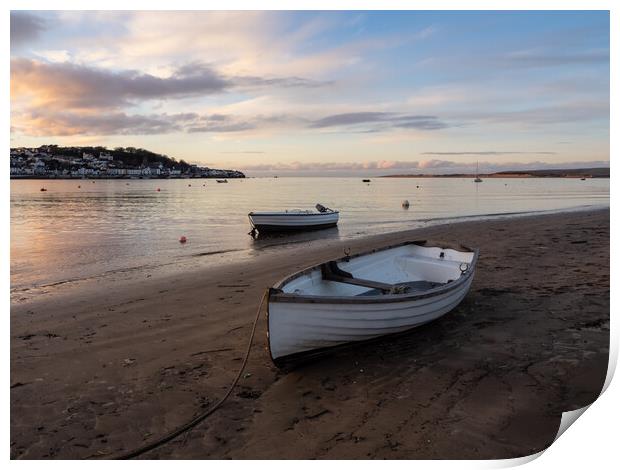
(152, 170)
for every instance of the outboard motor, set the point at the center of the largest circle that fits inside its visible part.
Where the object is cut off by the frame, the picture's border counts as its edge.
(322, 208)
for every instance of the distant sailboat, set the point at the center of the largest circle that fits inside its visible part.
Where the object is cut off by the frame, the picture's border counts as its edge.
(477, 179)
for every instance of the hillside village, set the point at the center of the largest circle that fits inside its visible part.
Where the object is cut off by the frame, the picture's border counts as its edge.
(52, 161)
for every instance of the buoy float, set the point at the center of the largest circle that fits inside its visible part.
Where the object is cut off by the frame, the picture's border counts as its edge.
(183, 239)
(43, 189)
(405, 204)
(158, 189)
(189, 185)
(79, 186)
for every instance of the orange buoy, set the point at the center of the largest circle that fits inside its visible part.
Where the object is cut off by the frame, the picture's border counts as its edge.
(183, 239)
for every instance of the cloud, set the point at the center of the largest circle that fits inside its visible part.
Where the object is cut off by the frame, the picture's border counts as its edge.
(67, 85)
(386, 119)
(488, 153)
(41, 122)
(286, 82)
(387, 167)
(535, 116)
(25, 27)
(426, 123)
(540, 57)
(52, 55)
(255, 43)
(524, 60)
(232, 127)
(335, 166)
(348, 119)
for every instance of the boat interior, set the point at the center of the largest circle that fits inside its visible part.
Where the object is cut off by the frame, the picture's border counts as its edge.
(399, 270)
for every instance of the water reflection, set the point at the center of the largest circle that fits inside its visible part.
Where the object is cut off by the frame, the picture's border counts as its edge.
(273, 239)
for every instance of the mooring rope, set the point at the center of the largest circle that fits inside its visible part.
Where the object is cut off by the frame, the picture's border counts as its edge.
(194, 421)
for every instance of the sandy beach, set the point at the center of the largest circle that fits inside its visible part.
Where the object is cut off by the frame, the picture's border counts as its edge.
(105, 368)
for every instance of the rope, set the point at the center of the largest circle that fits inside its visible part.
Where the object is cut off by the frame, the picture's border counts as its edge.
(190, 424)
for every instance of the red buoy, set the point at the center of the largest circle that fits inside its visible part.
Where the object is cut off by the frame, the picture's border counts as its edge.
(158, 190)
(183, 239)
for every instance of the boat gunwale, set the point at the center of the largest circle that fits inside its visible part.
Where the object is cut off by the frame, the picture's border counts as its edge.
(277, 295)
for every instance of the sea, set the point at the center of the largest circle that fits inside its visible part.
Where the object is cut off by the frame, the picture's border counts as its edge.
(86, 229)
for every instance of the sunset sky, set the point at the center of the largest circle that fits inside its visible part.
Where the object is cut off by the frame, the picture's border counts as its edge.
(318, 92)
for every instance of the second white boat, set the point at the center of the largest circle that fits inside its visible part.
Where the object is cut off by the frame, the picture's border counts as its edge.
(323, 217)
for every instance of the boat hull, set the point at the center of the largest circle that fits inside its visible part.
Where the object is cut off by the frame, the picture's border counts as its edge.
(292, 222)
(298, 330)
(289, 228)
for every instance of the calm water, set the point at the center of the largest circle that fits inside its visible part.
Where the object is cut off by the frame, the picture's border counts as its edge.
(71, 233)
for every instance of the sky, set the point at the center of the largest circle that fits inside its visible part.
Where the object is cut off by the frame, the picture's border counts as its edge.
(318, 93)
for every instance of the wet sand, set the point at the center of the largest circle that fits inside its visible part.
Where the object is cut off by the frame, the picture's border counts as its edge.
(105, 369)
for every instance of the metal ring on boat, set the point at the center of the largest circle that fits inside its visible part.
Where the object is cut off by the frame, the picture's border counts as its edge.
(463, 271)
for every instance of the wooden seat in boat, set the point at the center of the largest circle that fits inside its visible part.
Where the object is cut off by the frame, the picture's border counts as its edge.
(331, 272)
(405, 287)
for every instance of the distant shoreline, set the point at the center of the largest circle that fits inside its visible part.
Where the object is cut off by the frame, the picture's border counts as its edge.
(488, 176)
(456, 175)
(560, 173)
(93, 177)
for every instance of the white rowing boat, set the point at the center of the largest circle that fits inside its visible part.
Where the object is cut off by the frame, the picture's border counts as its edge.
(366, 296)
(293, 220)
